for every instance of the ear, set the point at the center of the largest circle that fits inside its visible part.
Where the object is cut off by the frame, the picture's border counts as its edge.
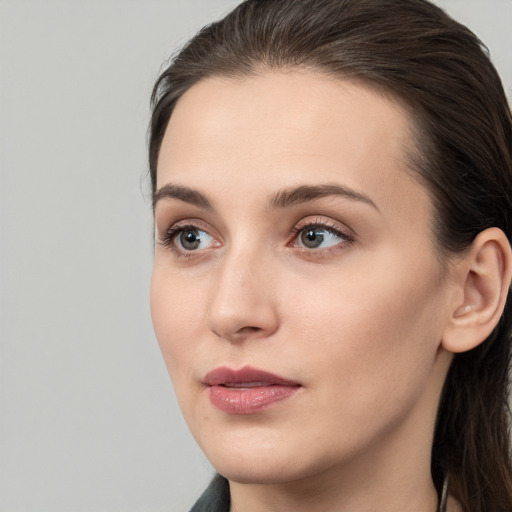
(484, 275)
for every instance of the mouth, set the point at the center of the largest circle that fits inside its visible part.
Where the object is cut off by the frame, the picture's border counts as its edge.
(248, 390)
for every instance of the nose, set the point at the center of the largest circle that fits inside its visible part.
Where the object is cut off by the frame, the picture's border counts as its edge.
(243, 302)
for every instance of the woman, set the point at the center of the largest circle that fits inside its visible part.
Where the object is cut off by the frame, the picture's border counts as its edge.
(332, 184)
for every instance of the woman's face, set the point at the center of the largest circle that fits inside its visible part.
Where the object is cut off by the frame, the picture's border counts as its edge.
(296, 294)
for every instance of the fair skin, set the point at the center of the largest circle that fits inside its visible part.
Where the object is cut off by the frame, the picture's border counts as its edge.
(335, 287)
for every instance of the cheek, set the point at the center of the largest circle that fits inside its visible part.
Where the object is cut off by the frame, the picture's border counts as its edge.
(374, 335)
(177, 313)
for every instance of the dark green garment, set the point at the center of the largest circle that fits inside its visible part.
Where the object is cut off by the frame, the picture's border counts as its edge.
(215, 498)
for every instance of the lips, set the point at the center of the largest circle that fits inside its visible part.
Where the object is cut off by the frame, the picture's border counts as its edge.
(248, 390)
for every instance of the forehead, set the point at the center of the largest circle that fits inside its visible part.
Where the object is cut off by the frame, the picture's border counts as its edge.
(281, 129)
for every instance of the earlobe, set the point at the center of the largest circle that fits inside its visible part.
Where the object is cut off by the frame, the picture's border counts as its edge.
(485, 275)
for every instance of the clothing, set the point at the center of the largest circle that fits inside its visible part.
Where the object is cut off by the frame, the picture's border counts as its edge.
(215, 498)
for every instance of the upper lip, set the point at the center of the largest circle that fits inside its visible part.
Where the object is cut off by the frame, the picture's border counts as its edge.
(246, 375)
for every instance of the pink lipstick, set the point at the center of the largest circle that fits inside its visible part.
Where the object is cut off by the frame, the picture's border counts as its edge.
(248, 390)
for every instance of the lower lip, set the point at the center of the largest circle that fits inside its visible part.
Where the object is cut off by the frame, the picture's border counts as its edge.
(248, 400)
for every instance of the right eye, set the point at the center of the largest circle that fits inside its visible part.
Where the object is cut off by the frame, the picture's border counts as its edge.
(184, 240)
(193, 239)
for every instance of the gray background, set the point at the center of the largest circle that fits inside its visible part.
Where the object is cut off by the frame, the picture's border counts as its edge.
(88, 420)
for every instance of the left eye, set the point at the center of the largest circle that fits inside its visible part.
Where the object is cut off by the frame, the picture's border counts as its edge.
(193, 239)
(315, 237)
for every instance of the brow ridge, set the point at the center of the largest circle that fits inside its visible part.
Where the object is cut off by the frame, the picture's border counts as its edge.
(281, 199)
(305, 193)
(182, 193)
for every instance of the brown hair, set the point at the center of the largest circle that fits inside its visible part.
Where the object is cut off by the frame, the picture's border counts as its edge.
(463, 155)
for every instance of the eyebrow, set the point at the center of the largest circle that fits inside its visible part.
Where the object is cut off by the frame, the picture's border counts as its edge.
(282, 199)
(185, 194)
(305, 193)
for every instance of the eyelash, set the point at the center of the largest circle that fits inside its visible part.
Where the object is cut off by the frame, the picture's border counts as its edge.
(168, 239)
(320, 224)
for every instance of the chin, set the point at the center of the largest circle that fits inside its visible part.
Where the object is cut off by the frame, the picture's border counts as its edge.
(265, 463)
(249, 467)
(260, 473)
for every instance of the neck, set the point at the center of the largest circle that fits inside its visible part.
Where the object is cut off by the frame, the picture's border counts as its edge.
(312, 500)
(344, 491)
(392, 477)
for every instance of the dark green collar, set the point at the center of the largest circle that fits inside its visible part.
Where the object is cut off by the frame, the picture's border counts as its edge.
(215, 498)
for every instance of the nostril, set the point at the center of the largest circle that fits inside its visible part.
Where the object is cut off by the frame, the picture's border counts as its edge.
(248, 330)
(247, 333)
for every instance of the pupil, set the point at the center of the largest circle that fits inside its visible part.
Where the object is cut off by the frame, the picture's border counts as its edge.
(312, 238)
(190, 239)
